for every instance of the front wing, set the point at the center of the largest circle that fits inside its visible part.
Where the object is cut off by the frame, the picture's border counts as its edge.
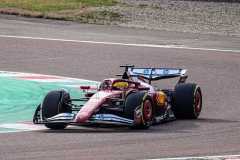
(108, 119)
(69, 118)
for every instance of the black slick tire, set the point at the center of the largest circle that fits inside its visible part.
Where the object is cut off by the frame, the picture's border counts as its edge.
(53, 104)
(187, 101)
(142, 101)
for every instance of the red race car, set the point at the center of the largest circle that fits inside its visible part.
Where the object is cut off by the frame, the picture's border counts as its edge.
(130, 100)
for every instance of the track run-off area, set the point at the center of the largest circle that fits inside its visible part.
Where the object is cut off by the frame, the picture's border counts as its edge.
(22, 92)
(44, 49)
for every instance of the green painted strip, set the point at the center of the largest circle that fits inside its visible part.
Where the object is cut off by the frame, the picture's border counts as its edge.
(19, 98)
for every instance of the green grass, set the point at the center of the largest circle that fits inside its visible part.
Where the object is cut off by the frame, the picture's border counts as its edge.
(74, 10)
(53, 5)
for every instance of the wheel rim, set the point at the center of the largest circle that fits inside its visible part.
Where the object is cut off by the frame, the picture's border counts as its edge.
(198, 102)
(147, 110)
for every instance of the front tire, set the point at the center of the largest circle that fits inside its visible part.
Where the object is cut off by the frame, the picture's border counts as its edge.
(147, 111)
(54, 103)
(187, 101)
(139, 101)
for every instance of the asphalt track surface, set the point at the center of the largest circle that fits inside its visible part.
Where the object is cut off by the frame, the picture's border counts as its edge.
(217, 132)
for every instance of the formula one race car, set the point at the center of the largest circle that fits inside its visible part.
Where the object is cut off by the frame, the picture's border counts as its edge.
(130, 100)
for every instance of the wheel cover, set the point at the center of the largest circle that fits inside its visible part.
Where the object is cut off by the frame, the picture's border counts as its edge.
(198, 102)
(147, 110)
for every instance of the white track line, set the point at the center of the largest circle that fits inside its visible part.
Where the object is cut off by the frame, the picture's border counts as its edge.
(123, 44)
(21, 127)
(17, 74)
(202, 158)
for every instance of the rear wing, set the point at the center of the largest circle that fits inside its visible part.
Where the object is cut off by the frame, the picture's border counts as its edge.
(152, 74)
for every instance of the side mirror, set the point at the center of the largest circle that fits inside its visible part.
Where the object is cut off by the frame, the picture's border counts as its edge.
(85, 87)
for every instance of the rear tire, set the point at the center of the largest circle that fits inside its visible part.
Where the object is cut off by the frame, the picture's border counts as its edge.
(187, 101)
(54, 103)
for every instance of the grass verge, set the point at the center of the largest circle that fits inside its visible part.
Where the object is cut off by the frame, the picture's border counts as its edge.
(87, 11)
